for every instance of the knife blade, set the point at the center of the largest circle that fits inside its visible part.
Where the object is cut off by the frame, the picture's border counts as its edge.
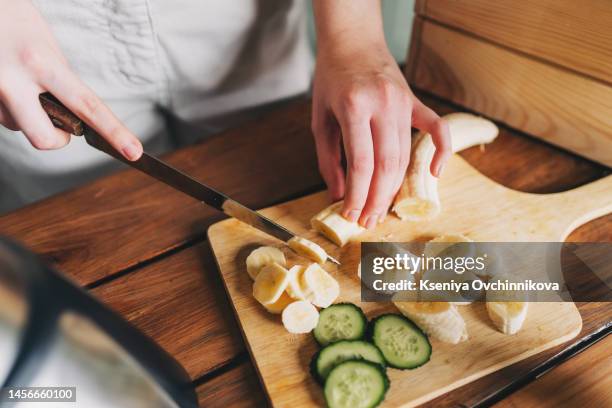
(64, 119)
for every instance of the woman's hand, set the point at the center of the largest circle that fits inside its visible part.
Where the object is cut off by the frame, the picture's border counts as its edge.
(362, 102)
(31, 63)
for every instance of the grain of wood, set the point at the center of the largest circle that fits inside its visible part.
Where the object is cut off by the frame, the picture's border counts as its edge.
(505, 215)
(572, 34)
(583, 381)
(237, 388)
(560, 107)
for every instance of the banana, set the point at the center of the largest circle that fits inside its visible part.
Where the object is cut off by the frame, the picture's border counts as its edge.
(507, 309)
(456, 298)
(270, 283)
(418, 197)
(440, 320)
(294, 289)
(263, 256)
(300, 317)
(445, 241)
(318, 286)
(308, 249)
(277, 307)
(334, 226)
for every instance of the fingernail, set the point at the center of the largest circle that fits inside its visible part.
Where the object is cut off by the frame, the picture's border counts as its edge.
(132, 151)
(372, 220)
(353, 215)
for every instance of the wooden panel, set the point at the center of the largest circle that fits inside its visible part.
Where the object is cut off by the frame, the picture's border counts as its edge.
(506, 215)
(583, 381)
(124, 219)
(181, 304)
(237, 388)
(558, 106)
(573, 34)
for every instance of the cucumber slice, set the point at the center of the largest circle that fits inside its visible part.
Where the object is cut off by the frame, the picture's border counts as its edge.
(356, 384)
(401, 342)
(329, 357)
(342, 321)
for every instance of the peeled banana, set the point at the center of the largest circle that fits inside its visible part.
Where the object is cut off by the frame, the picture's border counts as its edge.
(263, 256)
(418, 197)
(318, 286)
(294, 289)
(307, 248)
(270, 283)
(277, 307)
(300, 317)
(507, 309)
(334, 226)
(441, 320)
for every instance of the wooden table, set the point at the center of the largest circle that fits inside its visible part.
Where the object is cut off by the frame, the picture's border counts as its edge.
(141, 247)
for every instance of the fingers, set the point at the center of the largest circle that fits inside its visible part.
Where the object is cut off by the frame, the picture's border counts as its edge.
(405, 144)
(427, 120)
(357, 138)
(329, 153)
(386, 167)
(77, 97)
(24, 108)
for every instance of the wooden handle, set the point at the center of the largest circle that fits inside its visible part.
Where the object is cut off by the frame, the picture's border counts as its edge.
(60, 116)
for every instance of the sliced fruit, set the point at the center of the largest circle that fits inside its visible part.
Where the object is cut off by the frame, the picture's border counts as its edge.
(293, 287)
(507, 309)
(444, 243)
(300, 317)
(401, 342)
(356, 384)
(334, 226)
(307, 248)
(277, 307)
(270, 283)
(458, 298)
(418, 197)
(332, 355)
(440, 320)
(342, 321)
(318, 286)
(263, 256)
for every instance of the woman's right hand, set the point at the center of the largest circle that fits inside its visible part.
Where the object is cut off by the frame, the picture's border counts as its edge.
(31, 63)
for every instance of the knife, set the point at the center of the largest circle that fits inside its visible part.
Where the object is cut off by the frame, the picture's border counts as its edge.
(64, 119)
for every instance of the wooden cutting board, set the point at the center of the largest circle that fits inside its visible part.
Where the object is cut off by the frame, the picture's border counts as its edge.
(473, 205)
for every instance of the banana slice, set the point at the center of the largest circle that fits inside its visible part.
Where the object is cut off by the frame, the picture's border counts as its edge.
(507, 309)
(263, 256)
(318, 286)
(277, 307)
(300, 317)
(270, 283)
(440, 320)
(334, 226)
(461, 298)
(307, 248)
(418, 197)
(294, 290)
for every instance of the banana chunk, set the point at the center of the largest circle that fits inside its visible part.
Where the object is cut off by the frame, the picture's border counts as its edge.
(318, 286)
(270, 283)
(334, 226)
(440, 320)
(418, 197)
(277, 307)
(307, 248)
(294, 290)
(507, 309)
(263, 256)
(300, 317)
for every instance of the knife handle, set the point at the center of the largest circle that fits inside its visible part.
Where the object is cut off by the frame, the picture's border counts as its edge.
(61, 116)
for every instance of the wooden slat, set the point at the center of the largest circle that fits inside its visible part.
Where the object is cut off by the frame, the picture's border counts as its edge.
(119, 221)
(237, 388)
(558, 106)
(180, 302)
(583, 381)
(573, 34)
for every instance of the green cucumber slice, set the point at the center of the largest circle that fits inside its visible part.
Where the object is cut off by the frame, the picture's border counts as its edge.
(401, 342)
(329, 357)
(342, 321)
(356, 384)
